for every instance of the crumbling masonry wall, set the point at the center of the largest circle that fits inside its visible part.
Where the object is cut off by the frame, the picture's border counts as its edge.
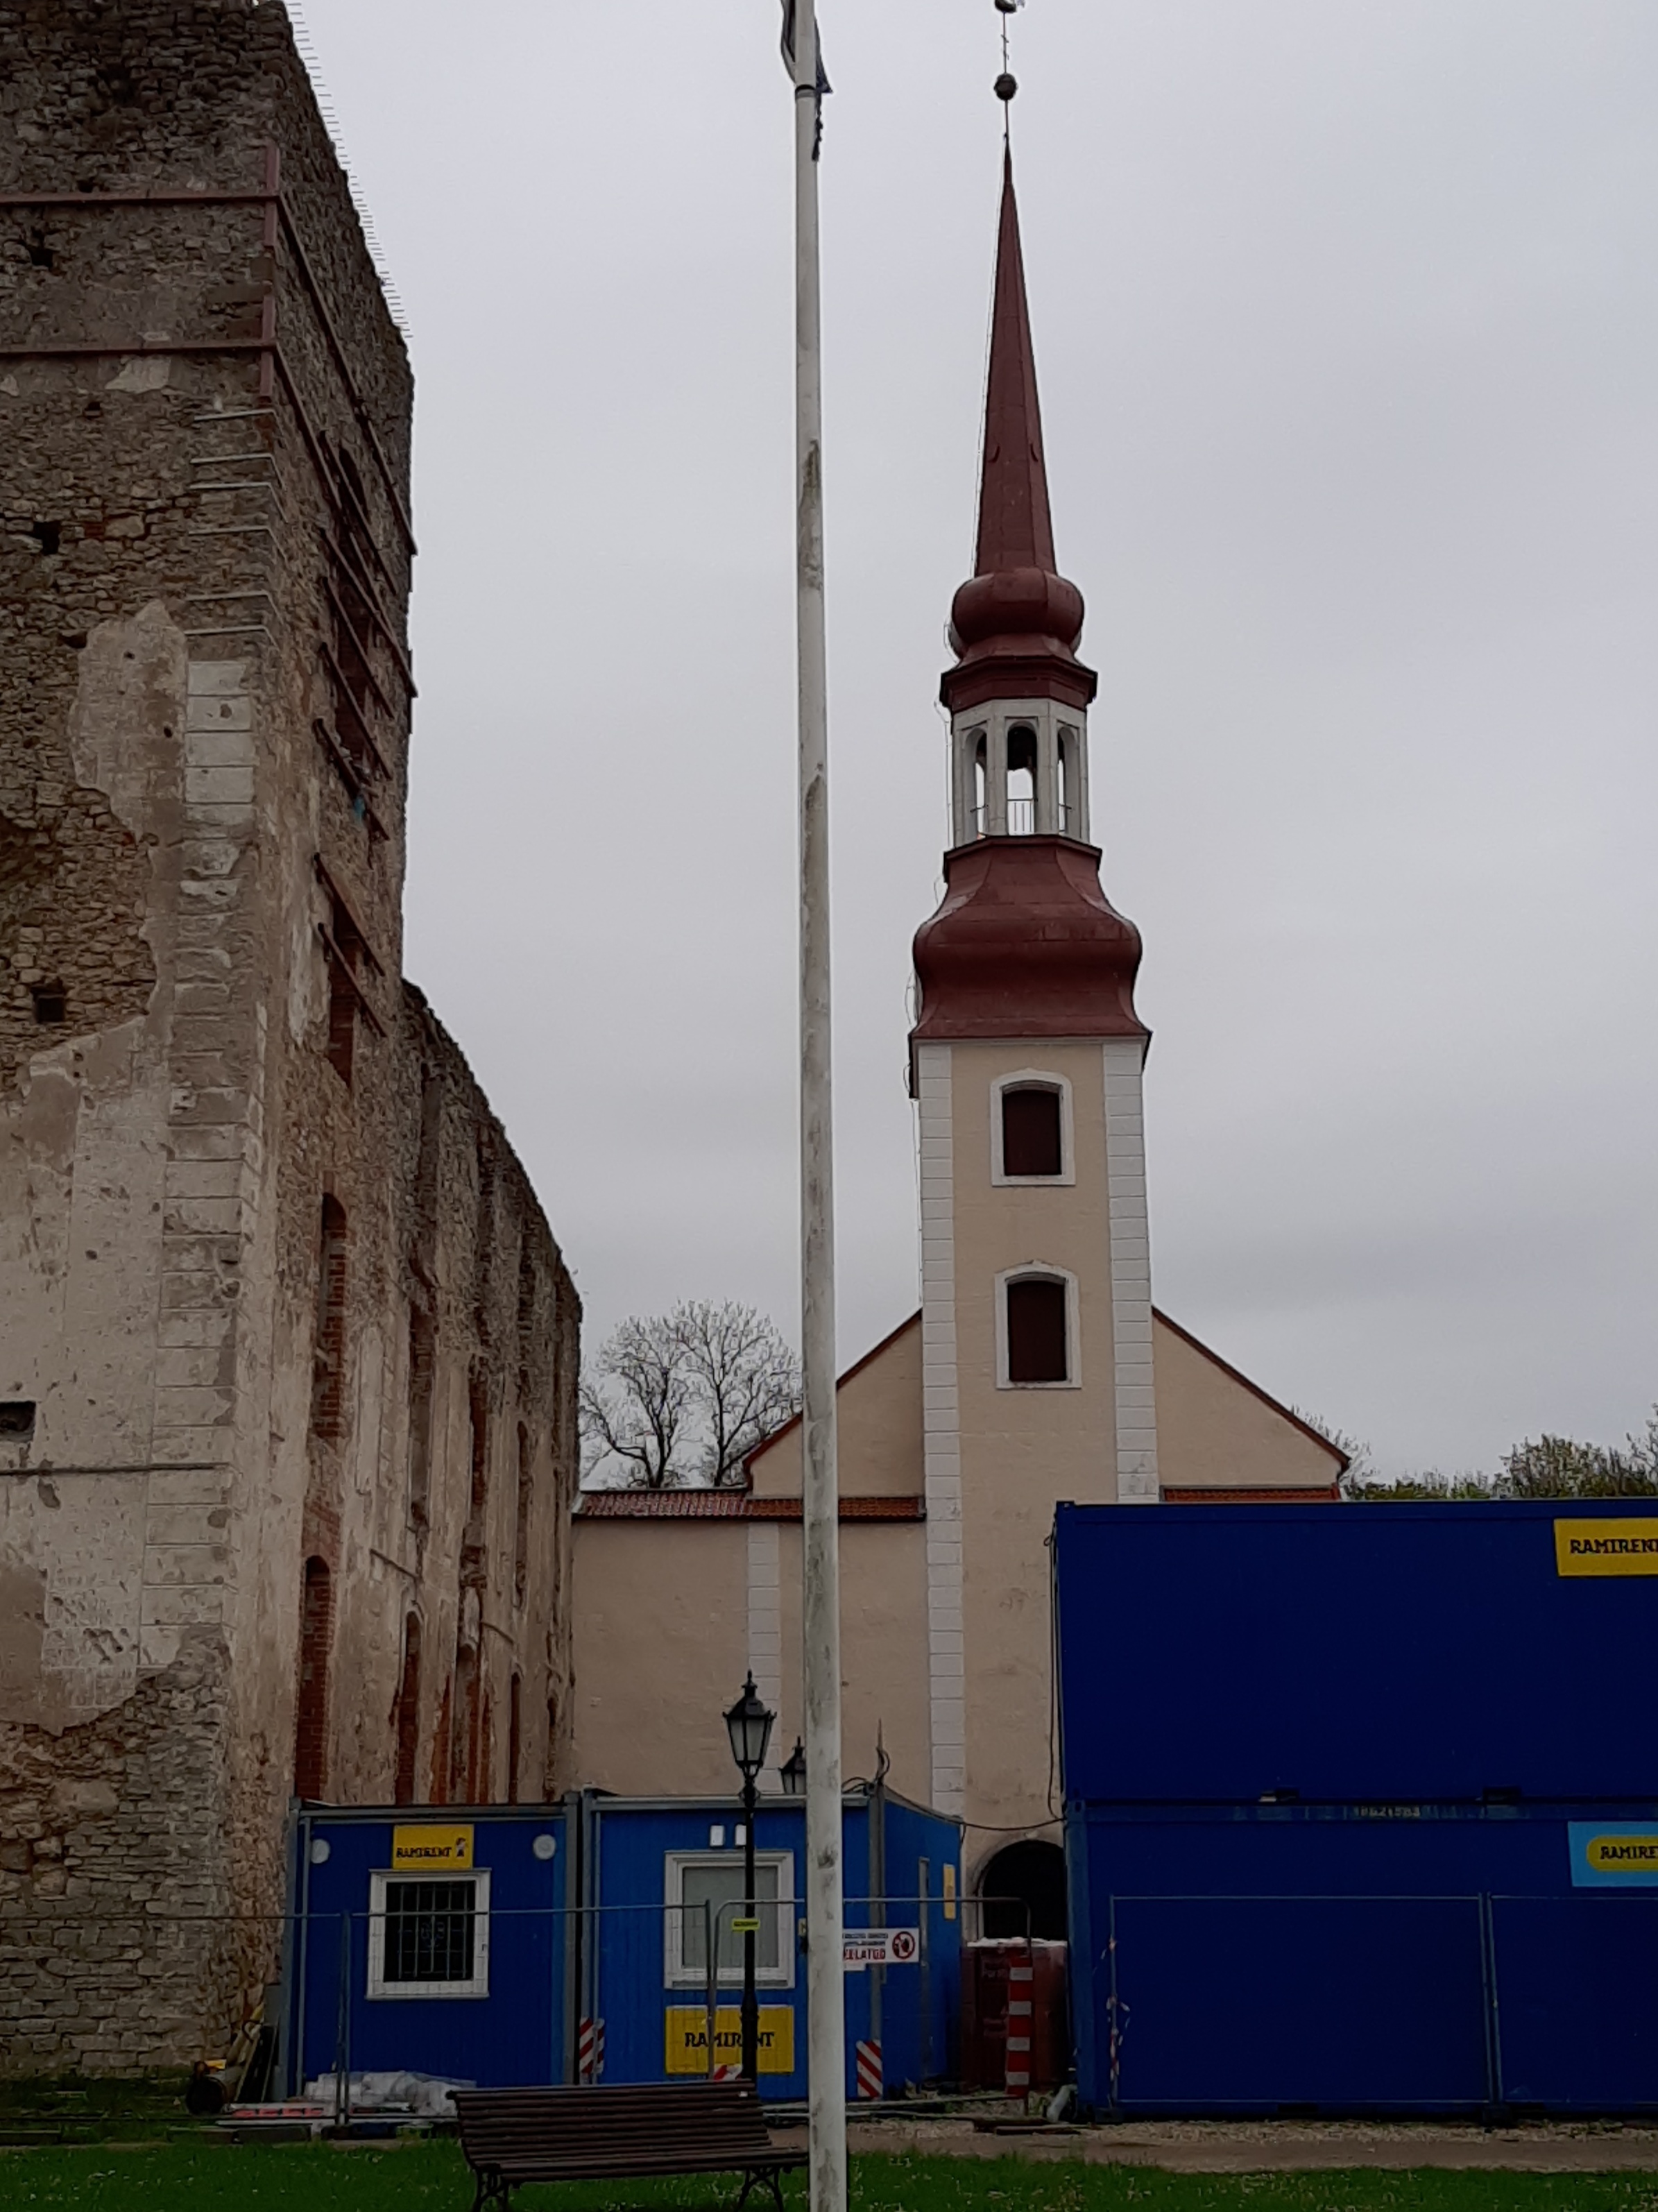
(283, 1334)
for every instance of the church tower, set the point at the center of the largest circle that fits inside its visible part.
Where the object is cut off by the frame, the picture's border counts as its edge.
(1026, 1060)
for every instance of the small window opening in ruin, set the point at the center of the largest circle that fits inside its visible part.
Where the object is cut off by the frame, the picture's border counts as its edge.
(16, 1420)
(39, 252)
(464, 1729)
(344, 950)
(48, 536)
(51, 1004)
(1021, 780)
(477, 1403)
(310, 1723)
(514, 1738)
(521, 1546)
(422, 1350)
(1036, 1330)
(408, 1713)
(328, 1354)
(1033, 1142)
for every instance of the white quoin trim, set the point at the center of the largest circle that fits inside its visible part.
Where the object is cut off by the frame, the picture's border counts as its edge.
(1131, 1271)
(1059, 804)
(941, 1432)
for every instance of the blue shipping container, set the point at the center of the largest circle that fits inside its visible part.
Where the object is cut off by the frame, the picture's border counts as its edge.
(431, 1940)
(510, 1945)
(1376, 1828)
(653, 1867)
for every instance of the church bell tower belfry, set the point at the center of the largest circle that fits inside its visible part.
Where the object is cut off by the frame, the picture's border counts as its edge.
(1026, 1060)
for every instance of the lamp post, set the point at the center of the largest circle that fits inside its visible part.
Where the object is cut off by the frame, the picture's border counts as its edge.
(748, 1724)
(792, 1773)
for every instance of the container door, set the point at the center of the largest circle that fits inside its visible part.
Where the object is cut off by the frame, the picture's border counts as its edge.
(1328, 2003)
(1578, 2000)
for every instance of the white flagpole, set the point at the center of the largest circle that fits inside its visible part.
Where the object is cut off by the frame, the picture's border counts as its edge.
(826, 2045)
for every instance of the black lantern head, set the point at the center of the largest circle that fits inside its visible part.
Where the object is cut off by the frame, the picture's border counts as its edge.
(794, 1773)
(748, 1724)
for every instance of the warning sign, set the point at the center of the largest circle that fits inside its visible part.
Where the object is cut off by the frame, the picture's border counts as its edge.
(687, 2048)
(879, 1947)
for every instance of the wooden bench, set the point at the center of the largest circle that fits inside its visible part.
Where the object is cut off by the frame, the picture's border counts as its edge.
(585, 2134)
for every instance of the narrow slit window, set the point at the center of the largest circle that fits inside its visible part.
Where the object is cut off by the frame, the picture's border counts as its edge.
(328, 1354)
(1037, 1349)
(311, 1721)
(408, 1713)
(1033, 1137)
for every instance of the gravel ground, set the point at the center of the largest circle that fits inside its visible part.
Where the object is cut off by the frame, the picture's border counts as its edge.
(1283, 2145)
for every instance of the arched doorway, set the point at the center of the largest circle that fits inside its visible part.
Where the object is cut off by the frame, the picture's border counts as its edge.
(1023, 1891)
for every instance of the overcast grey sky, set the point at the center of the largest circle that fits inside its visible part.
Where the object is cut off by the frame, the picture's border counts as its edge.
(1348, 341)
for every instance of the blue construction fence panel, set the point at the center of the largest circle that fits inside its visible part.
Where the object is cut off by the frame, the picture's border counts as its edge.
(1381, 1957)
(651, 1866)
(430, 1940)
(1349, 1653)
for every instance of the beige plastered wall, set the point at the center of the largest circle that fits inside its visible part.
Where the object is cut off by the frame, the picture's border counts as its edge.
(879, 1424)
(1215, 1432)
(660, 1637)
(883, 1656)
(1024, 1449)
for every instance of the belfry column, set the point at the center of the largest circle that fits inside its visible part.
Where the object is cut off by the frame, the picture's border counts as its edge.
(1026, 1059)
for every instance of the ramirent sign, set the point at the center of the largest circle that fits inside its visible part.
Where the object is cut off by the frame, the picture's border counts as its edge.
(1605, 1547)
(879, 1947)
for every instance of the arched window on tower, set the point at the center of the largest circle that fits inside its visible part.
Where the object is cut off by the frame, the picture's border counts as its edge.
(1064, 777)
(1033, 1134)
(1021, 780)
(1037, 1329)
(981, 785)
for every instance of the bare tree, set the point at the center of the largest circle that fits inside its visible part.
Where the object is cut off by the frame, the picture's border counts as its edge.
(747, 1382)
(683, 1398)
(635, 1412)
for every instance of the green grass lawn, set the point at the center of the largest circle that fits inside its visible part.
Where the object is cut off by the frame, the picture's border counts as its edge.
(211, 2177)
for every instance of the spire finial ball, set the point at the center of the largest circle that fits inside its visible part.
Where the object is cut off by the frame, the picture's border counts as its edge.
(1006, 86)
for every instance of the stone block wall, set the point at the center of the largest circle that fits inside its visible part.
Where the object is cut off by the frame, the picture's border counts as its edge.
(279, 1312)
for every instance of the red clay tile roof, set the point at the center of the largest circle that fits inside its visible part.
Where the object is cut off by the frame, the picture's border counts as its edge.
(731, 1505)
(1314, 1494)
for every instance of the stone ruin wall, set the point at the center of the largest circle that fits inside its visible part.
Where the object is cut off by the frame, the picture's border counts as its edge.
(204, 715)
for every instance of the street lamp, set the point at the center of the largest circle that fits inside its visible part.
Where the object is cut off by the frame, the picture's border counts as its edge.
(792, 1774)
(748, 1724)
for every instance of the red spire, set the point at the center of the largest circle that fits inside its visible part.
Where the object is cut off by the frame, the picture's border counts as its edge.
(1017, 622)
(1016, 528)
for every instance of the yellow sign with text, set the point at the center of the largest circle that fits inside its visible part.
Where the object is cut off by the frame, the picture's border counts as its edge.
(1622, 1854)
(950, 1892)
(1606, 1547)
(431, 1849)
(688, 2038)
